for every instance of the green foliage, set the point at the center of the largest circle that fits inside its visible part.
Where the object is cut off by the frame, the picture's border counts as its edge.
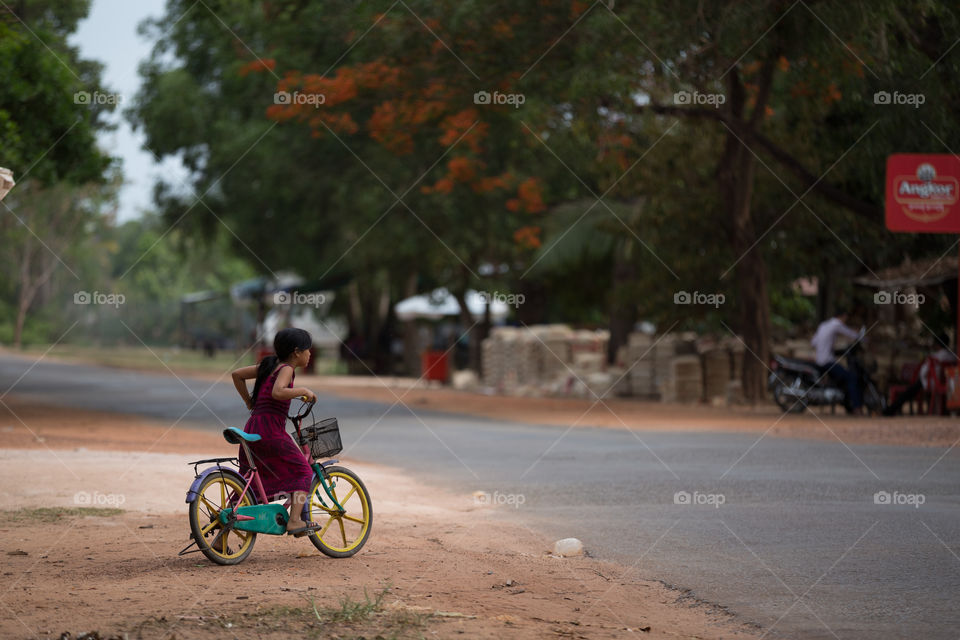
(830, 58)
(43, 129)
(153, 267)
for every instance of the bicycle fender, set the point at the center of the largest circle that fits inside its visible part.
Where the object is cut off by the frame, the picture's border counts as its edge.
(192, 491)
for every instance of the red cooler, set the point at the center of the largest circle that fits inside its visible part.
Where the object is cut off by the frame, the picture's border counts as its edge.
(434, 365)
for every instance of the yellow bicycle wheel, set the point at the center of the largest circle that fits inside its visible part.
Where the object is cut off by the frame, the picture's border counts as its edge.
(342, 533)
(223, 545)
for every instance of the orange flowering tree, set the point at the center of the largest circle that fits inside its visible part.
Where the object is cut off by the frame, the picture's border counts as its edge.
(421, 109)
(431, 108)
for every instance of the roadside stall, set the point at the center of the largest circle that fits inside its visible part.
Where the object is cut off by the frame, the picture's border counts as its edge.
(438, 334)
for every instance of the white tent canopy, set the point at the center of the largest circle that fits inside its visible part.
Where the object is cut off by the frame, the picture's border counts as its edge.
(441, 303)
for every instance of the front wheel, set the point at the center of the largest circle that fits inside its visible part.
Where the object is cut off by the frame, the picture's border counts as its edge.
(221, 544)
(342, 533)
(786, 400)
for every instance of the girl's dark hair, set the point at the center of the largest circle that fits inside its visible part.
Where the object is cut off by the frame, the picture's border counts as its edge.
(285, 343)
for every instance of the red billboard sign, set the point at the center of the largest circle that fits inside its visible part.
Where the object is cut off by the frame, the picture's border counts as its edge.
(922, 193)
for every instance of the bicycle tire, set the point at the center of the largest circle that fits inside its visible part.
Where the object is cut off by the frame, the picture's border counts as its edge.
(316, 512)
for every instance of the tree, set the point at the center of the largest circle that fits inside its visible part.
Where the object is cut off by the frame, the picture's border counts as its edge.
(395, 180)
(48, 124)
(48, 232)
(47, 127)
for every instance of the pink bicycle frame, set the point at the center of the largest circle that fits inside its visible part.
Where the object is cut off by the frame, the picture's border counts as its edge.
(253, 479)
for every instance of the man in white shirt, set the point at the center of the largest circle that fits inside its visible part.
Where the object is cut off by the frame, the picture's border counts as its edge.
(822, 342)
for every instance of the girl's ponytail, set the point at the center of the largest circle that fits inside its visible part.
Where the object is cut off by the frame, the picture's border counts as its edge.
(266, 366)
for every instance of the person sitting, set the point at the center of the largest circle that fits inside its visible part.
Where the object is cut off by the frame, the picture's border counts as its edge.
(942, 356)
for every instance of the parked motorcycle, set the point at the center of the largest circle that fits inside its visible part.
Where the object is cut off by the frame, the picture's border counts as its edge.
(797, 384)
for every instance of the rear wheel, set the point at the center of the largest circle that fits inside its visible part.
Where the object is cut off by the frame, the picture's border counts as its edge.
(342, 534)
(873, 400)
(220, 543)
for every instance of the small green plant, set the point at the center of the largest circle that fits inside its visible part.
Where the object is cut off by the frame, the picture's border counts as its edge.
(349, 610)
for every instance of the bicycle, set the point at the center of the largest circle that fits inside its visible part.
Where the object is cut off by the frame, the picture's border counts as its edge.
(227, 510)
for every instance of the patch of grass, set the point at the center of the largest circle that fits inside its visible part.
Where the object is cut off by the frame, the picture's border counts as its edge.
(366, 618)
(371, 615)
(349, 610)
(52, 514)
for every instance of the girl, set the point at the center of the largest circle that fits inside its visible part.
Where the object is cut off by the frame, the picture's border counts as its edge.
(282, 465)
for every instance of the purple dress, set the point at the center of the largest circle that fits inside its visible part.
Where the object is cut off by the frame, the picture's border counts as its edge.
(281, 463)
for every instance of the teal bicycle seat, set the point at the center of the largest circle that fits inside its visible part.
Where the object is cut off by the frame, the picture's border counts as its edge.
(234, 435)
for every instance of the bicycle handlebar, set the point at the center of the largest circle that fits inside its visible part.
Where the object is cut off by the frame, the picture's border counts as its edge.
(305, 410)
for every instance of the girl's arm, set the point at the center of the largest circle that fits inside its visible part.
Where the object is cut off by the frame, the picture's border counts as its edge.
(281, 392)
(239, 381)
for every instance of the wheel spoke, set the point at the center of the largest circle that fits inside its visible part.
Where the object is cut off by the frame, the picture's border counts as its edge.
(209, 527)
(347, 497)
(325, 527)
(342, 531)
(213, 509)
(223, 493)
(206, 512)
(352, 519)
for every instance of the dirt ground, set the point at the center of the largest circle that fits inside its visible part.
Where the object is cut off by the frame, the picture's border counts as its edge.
(437, 565)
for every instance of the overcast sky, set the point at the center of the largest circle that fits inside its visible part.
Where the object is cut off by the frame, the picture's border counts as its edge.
(109, 34)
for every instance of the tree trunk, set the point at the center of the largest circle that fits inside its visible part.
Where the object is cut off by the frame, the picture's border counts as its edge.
(18, 327)
(34, 274)
(470, 326)
(411, 335)
(754, 321)
(736, 176)
(623, 313)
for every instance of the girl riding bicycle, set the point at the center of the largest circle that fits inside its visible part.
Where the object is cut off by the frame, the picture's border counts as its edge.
(282, 464)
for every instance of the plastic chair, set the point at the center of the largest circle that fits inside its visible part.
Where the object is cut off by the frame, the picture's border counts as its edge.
(935, 387)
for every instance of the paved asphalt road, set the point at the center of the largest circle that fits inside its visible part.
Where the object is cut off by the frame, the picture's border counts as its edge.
(783, 533)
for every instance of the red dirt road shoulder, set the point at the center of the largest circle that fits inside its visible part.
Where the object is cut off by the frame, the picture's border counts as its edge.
(436, 564)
